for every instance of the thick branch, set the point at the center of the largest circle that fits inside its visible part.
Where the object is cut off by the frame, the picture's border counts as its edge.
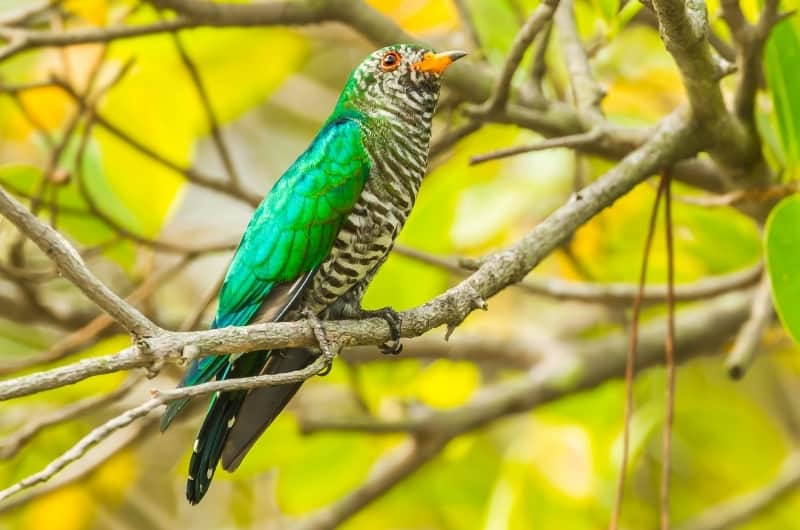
(683, 25)
(702, 330)
(672, 141)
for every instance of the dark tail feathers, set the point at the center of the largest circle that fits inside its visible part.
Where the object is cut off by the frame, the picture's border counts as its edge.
(236, 419)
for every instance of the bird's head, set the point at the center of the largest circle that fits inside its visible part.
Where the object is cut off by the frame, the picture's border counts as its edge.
(397, 80)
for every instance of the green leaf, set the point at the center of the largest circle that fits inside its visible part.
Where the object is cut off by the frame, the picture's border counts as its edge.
(781, 58)
(783, 262)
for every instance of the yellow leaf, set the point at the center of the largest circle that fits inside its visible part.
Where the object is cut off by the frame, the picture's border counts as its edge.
(68, 508)
(445, 384)
(649, 96)
(92, 11)
(419, 16)
(47, 105)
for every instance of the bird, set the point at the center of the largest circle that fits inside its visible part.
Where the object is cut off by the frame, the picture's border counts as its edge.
(316, 241)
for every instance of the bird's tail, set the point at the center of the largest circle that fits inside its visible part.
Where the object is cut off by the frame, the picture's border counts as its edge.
(236, 419)
(210, 441)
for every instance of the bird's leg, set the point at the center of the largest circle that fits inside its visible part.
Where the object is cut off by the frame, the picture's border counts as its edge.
(322, 339)
(392, 318)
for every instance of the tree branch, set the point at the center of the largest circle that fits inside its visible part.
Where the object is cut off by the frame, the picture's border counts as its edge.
(749, 337)
(587, 366)
(738, 510)
(73, 268)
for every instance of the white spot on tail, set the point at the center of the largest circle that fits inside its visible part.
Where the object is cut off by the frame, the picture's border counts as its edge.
(191, 477)
(196, 445)
(231, 422)
(209, 473)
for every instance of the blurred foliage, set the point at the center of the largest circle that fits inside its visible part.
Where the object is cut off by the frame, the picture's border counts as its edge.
(554, 468)
(783, 261)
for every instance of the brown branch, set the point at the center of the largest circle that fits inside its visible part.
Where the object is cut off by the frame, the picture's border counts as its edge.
(15, 442)
(160, 398)
(521, 352)
(72, 266)
(733, 198)
(96, 210)
(605, 293)
(732, 513)
(544, 384)
(749, 41)
(573, 140)
(213, 122)
(94, 329)
(472, 84)
(190, 174)
(585, 90)
(748, 340)
(502, 86)
(388, 472)
(24, 14)
(669, 350)
(630, 364)
(684, 27)
(98, 456)
(702, 330)
(670, 142)
(19, 40)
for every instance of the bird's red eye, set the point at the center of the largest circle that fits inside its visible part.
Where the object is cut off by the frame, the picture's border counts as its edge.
(390, 61)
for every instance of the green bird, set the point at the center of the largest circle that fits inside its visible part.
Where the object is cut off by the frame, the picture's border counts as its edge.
(316, 241)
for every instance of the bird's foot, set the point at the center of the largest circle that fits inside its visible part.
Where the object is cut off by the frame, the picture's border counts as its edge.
(392, 318)
(322, 340)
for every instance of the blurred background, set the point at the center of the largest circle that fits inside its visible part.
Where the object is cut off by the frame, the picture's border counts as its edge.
(164, 240)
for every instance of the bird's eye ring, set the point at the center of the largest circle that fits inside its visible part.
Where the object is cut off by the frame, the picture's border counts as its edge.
(390, 61)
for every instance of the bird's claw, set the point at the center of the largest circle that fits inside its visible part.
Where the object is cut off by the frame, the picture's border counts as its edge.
(392, 318)
(322, 340)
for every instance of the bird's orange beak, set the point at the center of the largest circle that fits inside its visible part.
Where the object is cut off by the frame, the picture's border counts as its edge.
(437, 62)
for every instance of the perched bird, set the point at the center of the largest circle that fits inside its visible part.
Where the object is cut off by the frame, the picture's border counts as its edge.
(316, 241)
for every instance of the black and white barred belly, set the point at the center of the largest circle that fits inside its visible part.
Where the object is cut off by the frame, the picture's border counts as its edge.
(368, 233)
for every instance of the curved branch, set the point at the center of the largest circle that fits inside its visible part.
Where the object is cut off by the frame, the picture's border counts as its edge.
(73, 268)
(672, 141)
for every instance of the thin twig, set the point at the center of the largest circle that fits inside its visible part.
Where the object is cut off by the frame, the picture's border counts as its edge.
(585, 90)
(574, 140)
(97, 326)
(669, 349)
(469, 26)
(732, 198)
(630, 366)
(745, 347)
(603, 293)
(191, 174)
(160, 398)
(213, 121)
(71, 265)
(14, 443)
(502, 87)
(743, 508)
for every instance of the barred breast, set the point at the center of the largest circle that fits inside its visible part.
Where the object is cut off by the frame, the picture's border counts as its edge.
(368, 233)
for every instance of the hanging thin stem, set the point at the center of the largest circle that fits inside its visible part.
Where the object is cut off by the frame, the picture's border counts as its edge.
(630, 367)
(669, 349)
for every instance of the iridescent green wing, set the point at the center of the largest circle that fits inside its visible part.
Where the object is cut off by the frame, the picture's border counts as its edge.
(295, 226)
(288, 237)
